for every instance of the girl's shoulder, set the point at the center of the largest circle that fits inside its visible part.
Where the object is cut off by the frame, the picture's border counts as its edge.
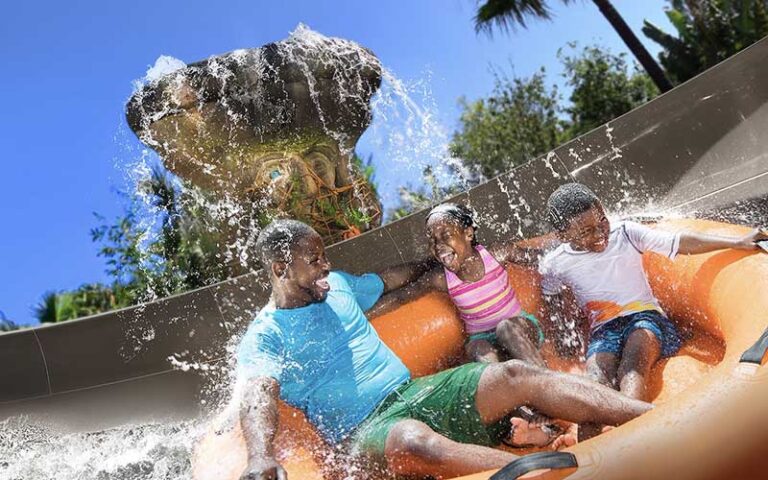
(489, 256)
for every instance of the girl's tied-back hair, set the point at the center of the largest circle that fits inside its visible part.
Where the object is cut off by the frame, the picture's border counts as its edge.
(457, 213)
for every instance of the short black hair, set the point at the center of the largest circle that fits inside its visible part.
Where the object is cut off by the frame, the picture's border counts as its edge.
(568, 202)
(278, 238)
(456, 212)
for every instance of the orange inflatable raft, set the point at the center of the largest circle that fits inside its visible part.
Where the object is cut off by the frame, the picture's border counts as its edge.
(711, 420)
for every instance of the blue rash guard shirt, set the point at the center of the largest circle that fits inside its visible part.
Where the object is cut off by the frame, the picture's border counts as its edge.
(326, 356)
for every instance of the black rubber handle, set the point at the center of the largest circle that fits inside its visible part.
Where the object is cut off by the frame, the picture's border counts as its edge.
(755, 353)
(535, 461)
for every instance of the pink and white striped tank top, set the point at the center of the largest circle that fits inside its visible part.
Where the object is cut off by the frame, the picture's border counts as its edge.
(485, 303)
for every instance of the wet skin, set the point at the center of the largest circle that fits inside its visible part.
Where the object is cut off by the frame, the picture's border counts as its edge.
(629, 370)
(588, 232)
(412, 448)
(303, 277)
(451, 245)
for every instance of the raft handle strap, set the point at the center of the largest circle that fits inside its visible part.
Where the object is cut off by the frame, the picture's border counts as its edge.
(535, 461)
(755, 353)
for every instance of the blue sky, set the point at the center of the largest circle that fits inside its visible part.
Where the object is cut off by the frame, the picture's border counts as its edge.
(68, 69)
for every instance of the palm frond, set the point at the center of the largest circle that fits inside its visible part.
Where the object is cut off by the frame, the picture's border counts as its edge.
(508, 14)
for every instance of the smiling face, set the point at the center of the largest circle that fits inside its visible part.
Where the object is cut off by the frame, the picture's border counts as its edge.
(303, 278)
(449, 242)
(588, 231)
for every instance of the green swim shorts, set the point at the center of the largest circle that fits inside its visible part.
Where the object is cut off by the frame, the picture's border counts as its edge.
(444, 401)
(490, 335)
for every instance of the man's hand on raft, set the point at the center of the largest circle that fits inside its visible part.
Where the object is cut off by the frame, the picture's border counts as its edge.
(264, 470)
(749, 242)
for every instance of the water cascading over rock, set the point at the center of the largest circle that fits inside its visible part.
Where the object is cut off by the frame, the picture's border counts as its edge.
(271, 130)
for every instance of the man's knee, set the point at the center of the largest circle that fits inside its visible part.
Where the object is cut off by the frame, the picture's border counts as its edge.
(519, 369)
(411, 439)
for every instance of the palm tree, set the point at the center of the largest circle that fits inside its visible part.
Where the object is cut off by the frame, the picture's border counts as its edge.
(708, 32)
(505, 14)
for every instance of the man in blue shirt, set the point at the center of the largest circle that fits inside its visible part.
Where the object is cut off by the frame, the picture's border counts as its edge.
(313, 347)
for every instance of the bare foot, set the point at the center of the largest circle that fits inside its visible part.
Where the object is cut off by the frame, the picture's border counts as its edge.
(568, 439)
(527, 434)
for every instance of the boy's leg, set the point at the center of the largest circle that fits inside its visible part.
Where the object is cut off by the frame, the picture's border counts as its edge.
(508, 385)
(412, 448)
(601, 367)
(641, 351)
(520, 339)
(480, 350)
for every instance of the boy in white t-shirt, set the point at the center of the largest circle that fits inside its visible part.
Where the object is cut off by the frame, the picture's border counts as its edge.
(601, 264)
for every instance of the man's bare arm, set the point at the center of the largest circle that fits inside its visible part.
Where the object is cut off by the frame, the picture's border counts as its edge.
(258, 418)
(402, 275)
(433, 279)
(693, 242)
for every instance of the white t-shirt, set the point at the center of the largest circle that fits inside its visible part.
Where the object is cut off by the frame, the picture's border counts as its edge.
(611, 283)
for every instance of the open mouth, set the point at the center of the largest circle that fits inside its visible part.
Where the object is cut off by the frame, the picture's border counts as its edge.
(446, 258)
(322, 284)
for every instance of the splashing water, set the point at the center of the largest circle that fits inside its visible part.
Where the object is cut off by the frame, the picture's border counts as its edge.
(147, 452)
(163, 66)
(406, 130)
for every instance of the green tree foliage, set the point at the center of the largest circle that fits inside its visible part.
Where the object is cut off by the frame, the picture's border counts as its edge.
(506, 14)
(88, 299)
(603, 88)
(708, 32)
(523, 118)
(180, 244)
(178, 247)
(412, 199)
(7, 325)
(517, 122)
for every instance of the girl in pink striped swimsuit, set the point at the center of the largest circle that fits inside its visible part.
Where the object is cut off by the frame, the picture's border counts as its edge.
(476, 280)
(498, 328)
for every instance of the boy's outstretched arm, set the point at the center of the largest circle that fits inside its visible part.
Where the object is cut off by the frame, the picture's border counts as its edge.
(693, 243)
(433, 279)
(258, 418)
(565, 324)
